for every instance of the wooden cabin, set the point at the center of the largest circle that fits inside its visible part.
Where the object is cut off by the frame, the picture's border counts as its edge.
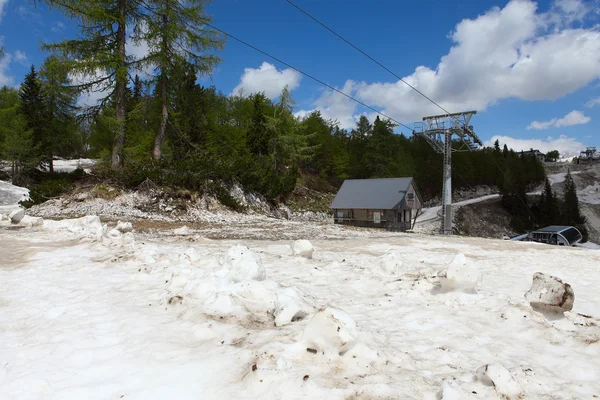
(391, 203)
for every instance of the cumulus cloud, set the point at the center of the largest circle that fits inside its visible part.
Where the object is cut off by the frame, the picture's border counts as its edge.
(573, 118)
(510, 52)
(267, 79)
(567, 146)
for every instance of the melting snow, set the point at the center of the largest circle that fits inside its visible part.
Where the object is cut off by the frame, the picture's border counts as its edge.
(88, 311)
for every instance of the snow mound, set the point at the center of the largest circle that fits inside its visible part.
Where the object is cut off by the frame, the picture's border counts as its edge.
(32, 221)
(88, 226)
(242, 264)
(461, 275)
(16, 216)
(183, 231)
(449, 391)
(124, 227)
(550, 293)
(390, 263)
(500, 378)
(303, 248)
(289, 307)
(331, 332)
(259, 301)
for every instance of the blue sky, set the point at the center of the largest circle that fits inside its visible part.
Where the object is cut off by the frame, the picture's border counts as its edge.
(530, 69)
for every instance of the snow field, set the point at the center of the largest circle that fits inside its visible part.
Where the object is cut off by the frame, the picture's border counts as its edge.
(162, 319)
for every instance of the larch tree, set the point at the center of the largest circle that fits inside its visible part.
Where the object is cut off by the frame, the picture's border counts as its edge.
(176, 31)
(98, 58)
(16, 144)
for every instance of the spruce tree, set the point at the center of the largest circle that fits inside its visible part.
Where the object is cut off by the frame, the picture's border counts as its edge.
(32, 109)
(176, 31)
(497, 146)
(571, 214)
(59, 103)
(258, 137)
(548, 206)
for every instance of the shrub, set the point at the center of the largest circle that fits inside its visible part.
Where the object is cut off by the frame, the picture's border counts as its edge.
(45, 191)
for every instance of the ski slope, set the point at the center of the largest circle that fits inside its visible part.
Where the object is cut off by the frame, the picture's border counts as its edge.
(89, 312)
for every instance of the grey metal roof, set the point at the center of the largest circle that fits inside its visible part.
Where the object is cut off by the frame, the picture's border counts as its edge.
(380, 194)
(553, 229)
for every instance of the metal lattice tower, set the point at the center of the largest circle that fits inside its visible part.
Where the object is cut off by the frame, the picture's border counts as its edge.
(441, 131)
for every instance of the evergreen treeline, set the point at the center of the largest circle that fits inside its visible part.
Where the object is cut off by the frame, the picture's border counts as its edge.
(170, 129)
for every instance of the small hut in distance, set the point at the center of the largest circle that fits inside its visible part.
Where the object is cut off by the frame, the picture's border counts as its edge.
(390, 203)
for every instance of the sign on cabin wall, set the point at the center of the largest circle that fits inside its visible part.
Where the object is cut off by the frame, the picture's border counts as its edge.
(377, 217)
(411, 198)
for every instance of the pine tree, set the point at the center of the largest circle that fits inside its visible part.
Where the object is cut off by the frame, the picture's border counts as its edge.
(497, 146)
(176, 31)
(98, 57)
(32, 109)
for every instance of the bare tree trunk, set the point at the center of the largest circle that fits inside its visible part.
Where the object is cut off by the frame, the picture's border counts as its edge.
(121, 82)
(160, 135)
(163, 123)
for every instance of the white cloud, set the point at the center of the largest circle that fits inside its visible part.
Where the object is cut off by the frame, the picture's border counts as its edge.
(335, 106)
(267, 79)
(20, 57)
(513, 52)
(566, 146)
(3, 4)
(593, 102)
(573, 118)
(5, 79)
(58, 27)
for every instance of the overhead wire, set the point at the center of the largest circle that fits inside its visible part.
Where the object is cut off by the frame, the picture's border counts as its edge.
(308, 76)
(407, 84)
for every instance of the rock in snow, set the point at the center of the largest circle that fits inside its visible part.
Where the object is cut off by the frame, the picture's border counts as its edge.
(243, 264)
(462, 275)
(303, 248)
(16, 216)
(124, 227)
(550, 293)
(390, 263)
(498, 376)
(330, 331)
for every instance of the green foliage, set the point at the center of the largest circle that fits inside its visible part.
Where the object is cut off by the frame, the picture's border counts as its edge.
(571, 214)
(46, 190)
(552, 156)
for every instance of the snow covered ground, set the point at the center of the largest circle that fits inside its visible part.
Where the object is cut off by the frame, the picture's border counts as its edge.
(10, 196)
(97, 313)
(71, 165)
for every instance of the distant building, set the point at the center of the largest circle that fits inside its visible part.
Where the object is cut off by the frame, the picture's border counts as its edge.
(557, 235)
(535, 153)
(588, 156)
(378, 203)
